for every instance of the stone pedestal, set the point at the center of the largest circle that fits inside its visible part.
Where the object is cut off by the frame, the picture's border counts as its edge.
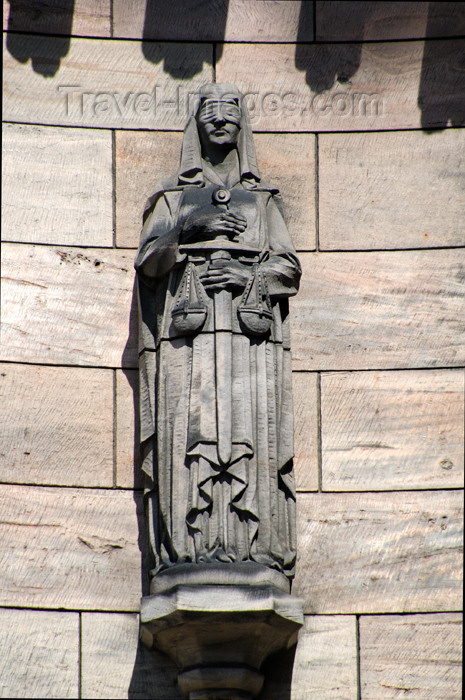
(219, 623)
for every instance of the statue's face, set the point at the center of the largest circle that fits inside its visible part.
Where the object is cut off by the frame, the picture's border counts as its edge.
(218, 124)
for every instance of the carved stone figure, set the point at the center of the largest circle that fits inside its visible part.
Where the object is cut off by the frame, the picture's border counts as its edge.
(216, 267)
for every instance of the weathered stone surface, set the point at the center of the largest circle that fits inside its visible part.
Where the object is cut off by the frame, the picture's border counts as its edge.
(79, 18)
(358, 552)
(361, 297)
(348, 87)
(56, 425)
(325, 663)
(112, 661)
(304, 386)
(415, 656)
(144, 159)
(115, 664)
(379, 310)
(354, 311)
(70, 548)
(57, 185)
(391, 190)
(386, 552)
(68, 305)
(192, 610)
(287, 161)
(239, 577)
(392, 430)
(365, 21)
(40, 654)
(214, 20)
(113, 84)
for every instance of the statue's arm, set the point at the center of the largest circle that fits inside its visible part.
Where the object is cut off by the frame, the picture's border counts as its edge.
(158, 250)
(282, 268)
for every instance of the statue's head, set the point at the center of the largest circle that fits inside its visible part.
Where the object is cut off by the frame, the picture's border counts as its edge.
(218, 120)
(219, 116)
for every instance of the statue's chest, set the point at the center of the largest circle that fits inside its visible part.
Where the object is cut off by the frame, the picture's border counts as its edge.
(248, 204)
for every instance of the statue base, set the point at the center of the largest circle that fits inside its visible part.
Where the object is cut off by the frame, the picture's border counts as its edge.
(218, 623)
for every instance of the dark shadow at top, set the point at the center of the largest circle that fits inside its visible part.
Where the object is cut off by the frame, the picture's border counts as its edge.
(177, 60)
(326, 63)
(40, 17)
(441, 95)
(177, 20)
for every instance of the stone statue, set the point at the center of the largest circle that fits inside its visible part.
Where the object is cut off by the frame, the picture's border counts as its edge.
(216, 267)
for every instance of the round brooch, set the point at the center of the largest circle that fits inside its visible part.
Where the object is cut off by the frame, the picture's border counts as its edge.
(221, 196)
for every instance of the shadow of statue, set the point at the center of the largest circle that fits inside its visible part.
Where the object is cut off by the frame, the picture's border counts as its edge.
(441, 95)
(45, 18)
(129, 369)
(278, 670)
(189, 21)
(154, 675)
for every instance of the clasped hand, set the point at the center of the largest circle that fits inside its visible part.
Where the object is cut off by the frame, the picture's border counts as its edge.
(208, 223)
(225, 274)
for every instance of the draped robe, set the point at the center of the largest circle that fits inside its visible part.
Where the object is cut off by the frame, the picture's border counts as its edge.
(216, 403)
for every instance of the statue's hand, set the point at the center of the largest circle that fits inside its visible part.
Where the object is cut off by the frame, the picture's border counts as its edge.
(226, 274)
(209, 223)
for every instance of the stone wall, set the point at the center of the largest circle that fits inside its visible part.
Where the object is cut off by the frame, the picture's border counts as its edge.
(357, 109)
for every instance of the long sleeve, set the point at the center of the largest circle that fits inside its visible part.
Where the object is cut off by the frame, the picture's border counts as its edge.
(282, 269)
(158, 251)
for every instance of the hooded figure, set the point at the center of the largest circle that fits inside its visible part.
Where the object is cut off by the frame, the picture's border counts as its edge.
(215, 269)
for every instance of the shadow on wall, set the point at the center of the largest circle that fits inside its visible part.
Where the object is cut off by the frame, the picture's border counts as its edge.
(40, 17)
(162, 18)
(154, 676)
(131, 374)
(278, 671)
(441, 96)
(55, 17)
(324, 64)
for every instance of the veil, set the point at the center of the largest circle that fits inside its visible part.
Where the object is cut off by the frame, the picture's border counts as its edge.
(191, 171)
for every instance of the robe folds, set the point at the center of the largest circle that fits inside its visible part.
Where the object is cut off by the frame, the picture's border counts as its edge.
(216, 398)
